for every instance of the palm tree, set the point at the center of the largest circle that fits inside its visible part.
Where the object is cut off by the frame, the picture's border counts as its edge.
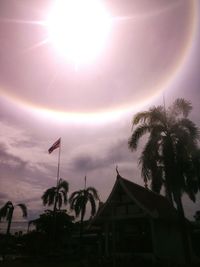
(56, 195)
(78, 202)
(171, 155)
(7, 212)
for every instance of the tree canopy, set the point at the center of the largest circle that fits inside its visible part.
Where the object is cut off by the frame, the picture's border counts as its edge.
(56, 195)
(7, 212)
(79, 199)
(171, 155)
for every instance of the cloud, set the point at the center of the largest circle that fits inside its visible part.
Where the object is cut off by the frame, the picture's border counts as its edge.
(3, 196)
(20, 181)
(115, 154)
(100, 167)
(10, 164)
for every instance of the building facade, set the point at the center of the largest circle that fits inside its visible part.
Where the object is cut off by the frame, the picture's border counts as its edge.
(136, 222)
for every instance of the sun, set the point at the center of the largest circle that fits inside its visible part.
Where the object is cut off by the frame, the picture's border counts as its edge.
(78, 29)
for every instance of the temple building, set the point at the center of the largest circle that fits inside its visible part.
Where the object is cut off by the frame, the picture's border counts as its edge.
(136, 222)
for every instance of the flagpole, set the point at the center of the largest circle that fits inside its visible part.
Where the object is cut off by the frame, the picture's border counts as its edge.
(51, 149)
(58, 170)
(85, 182)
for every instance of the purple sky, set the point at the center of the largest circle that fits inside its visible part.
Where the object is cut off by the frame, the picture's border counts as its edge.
(153, 48)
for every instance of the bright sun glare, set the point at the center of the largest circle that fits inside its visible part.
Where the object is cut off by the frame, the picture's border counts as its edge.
(78, 29)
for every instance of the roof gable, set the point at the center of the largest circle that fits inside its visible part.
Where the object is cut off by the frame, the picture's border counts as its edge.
(151, 204)
(155, 204)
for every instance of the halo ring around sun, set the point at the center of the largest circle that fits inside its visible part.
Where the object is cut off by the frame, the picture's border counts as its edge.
(115, 113)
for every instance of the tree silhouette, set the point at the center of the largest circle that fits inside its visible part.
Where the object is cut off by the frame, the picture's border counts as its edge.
(170, 157)
(56, 195)
(45, 222)
(7, 212)
(79, 200)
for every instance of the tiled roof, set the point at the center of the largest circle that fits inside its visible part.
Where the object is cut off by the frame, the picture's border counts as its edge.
(154, 203)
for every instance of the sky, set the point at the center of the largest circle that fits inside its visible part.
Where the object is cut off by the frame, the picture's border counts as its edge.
(151, 50)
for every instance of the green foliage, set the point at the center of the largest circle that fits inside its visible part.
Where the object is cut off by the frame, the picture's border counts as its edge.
(48, 221)
(56, 196)
(7, 212)
(79, 199)
(78, 202)
(52, 235)
(171, 156)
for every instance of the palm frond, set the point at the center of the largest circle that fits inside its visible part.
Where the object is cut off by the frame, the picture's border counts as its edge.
(83, 210)
(137, 134)
(4, 212)
(170, 156)
(73, 195)
(77, 210)
(191, 194)
(79, 199)
(94, 192)
(79, 206)
(188, 126)
(23, 208)
(93, 204)
(150, 161)
(157, 180)
(64, 196)
(63, 184)
(140, 117)
(73, 202)
(157, 115)
(59, 200)
(145, 172)
(153, 115)
(49, 195)
(181, 106)
(195, 158)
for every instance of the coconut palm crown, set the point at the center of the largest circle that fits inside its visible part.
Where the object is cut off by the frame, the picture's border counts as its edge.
(78, 202)
(170, 157)
(7, 212)
(56, 195)
(79, 199)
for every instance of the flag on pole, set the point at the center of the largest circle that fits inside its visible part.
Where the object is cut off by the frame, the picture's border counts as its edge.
(54, 146)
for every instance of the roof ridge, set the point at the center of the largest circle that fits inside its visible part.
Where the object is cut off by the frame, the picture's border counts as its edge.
(122, 181)
(146, 199)
(143, 188)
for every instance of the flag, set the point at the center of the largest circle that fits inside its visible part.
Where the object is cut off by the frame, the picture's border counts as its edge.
(54, 146)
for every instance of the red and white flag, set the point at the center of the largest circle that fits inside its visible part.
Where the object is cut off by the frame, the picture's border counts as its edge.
(54, 146)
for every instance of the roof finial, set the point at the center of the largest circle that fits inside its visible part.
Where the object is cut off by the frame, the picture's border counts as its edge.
(85, 181)
(118, 175)
(117, 169)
